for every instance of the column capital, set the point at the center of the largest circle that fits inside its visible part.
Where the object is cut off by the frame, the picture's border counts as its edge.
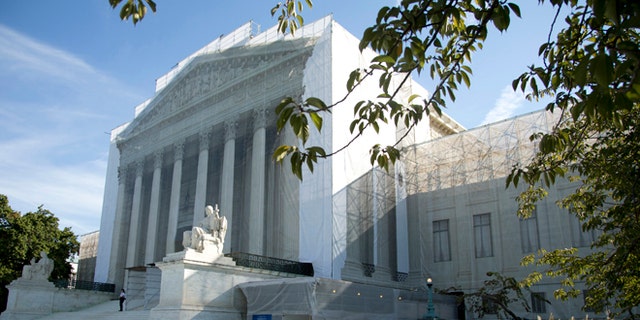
(205, 136)
(157, 159)
(259, 118)
(139, 167)
(122, 174)
(230, 129)
(178, 149)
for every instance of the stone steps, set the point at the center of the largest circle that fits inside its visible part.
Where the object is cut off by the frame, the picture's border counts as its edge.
(107, 310)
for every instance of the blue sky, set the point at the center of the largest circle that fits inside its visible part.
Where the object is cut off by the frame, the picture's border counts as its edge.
(70, 71)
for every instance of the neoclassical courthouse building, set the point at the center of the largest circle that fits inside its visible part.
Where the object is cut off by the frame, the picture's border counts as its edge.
(207, 136)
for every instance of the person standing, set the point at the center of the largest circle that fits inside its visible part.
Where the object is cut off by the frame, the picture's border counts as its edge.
(123, 297)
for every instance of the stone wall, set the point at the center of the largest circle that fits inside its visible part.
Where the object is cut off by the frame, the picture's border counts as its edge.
(65, 300)
(31, 299)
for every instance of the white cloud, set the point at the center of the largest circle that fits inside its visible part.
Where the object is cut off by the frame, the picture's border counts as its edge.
(55, 109)
(24, 53)
(71, 188)
(505, 106)
(73, 192)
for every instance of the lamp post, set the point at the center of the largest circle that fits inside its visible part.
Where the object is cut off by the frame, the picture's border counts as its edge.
(431, 310)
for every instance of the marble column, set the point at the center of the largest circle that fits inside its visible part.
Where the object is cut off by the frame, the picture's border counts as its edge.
(402, 220)
(201, 178)
(174, 201)
(132, 243)
(256, 207)
(154, 212)
(226, 184)
(116, 259)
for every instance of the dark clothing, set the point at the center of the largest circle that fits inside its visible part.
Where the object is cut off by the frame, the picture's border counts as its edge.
(123, 297)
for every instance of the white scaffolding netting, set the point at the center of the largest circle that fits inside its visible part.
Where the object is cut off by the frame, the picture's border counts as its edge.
(478, 155)
(389, 232)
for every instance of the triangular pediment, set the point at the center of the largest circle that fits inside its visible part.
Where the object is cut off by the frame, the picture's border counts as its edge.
(211, 74)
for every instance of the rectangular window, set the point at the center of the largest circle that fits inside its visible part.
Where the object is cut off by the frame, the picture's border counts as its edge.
(580, 237)
(538, 302)
(441, 249)
(482, 235)
(529, 237)
(489, 306)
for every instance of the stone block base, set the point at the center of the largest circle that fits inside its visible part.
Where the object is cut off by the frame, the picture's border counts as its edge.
(200, 286)
(29, 299)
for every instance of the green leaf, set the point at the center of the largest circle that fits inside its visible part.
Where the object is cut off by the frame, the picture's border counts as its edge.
(317, 151)
(500, 18)
(516, 10)
(316, 119)
(283, 103)
(413, 97)
(384, 59)
(283, 118)
(383, 162)
(284, 24)
(354, 78)
(317, 103)
(282, 152)
(465, 78)
(296, 164)
(602, 69)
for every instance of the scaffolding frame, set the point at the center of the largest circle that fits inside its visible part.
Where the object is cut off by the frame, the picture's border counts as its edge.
(478, 155)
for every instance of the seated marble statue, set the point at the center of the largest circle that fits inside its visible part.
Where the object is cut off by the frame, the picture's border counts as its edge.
(40, 270)
(208, 234)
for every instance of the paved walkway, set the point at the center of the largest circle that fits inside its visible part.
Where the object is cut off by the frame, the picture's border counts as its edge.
(107, 310)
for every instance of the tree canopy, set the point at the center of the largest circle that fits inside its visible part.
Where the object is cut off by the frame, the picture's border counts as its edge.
(23, 237)
(498, 295)
(590, 70)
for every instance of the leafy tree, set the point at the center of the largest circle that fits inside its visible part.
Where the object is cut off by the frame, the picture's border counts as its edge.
(134, 9)
(590, 70)
(497, 296)
(23, 237)
(604, 160)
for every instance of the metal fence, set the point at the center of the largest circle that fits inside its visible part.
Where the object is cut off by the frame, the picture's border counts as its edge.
(268, 263)
(85, 285)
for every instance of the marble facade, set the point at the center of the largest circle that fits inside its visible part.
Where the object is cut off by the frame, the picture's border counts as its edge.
(174, 159)
(207, 137)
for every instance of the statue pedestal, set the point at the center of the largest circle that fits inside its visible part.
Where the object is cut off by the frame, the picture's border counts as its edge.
(201, 286)
(29, 299)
